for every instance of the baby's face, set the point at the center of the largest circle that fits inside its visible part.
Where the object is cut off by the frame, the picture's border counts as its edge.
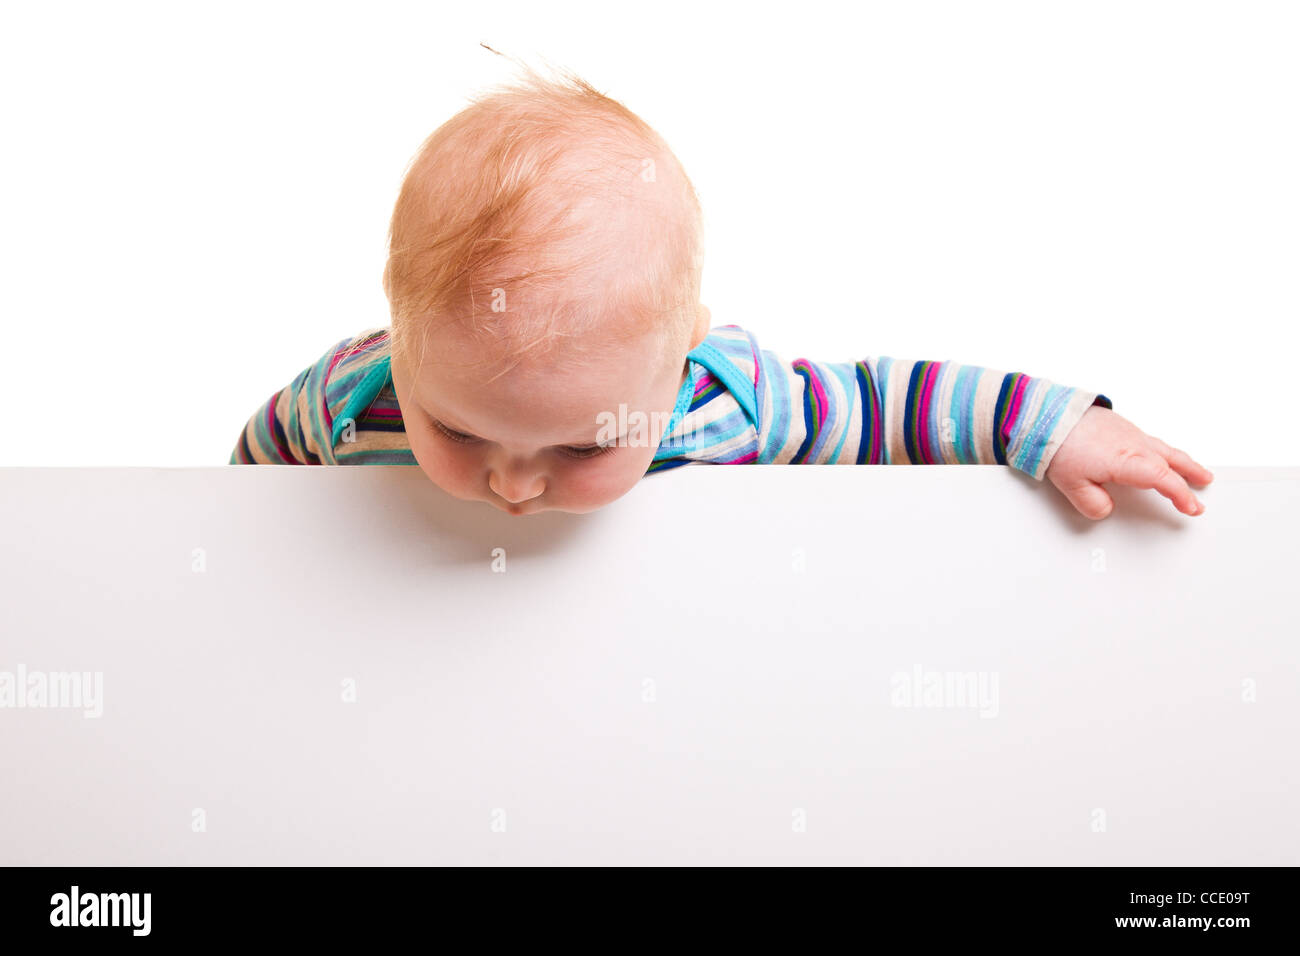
(528, 440)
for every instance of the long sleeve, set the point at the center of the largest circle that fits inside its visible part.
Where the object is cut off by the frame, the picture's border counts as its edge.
(299, 424)
(286, 430)
(340, 410)
(742, 404)
(900, 411)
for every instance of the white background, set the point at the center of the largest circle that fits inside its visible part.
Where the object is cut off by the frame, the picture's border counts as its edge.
(195, 196)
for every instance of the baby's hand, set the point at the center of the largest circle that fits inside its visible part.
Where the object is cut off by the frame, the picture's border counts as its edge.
(1104, 446)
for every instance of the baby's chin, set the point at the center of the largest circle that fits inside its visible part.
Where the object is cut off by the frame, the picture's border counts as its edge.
(524, 508)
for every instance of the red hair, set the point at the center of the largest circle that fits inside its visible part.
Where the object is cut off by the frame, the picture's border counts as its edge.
(546, 211)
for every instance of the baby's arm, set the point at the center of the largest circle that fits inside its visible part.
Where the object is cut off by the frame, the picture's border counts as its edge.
(901, 411)
(908, 412)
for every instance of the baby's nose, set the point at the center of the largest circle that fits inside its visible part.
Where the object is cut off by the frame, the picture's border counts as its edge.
(516, 486)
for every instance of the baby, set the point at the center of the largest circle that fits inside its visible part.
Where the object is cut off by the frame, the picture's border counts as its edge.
(548, 348)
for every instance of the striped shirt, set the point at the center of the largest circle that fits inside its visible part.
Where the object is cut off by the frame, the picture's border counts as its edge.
(739, 404)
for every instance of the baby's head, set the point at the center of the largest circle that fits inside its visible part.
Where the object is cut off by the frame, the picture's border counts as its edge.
(544, 270)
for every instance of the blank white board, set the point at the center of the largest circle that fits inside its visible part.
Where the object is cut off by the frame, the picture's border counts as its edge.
(744, 664)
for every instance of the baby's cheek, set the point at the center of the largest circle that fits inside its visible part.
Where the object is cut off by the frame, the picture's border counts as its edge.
(452, 473)
(461, 474)
(601, 485)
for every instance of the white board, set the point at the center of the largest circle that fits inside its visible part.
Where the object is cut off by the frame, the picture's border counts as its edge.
(713, 669)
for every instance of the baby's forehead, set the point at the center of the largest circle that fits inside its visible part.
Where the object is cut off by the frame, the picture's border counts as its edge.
(579, 363)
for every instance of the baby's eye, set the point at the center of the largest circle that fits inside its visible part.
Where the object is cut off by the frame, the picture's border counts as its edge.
(453, 435)
(590, 451)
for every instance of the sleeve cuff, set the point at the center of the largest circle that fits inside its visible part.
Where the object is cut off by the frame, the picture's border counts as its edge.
(1075, 409)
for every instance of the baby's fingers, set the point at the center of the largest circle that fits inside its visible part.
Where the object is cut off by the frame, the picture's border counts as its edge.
(1088, 497)
(1183, 463)
(1148, 469)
